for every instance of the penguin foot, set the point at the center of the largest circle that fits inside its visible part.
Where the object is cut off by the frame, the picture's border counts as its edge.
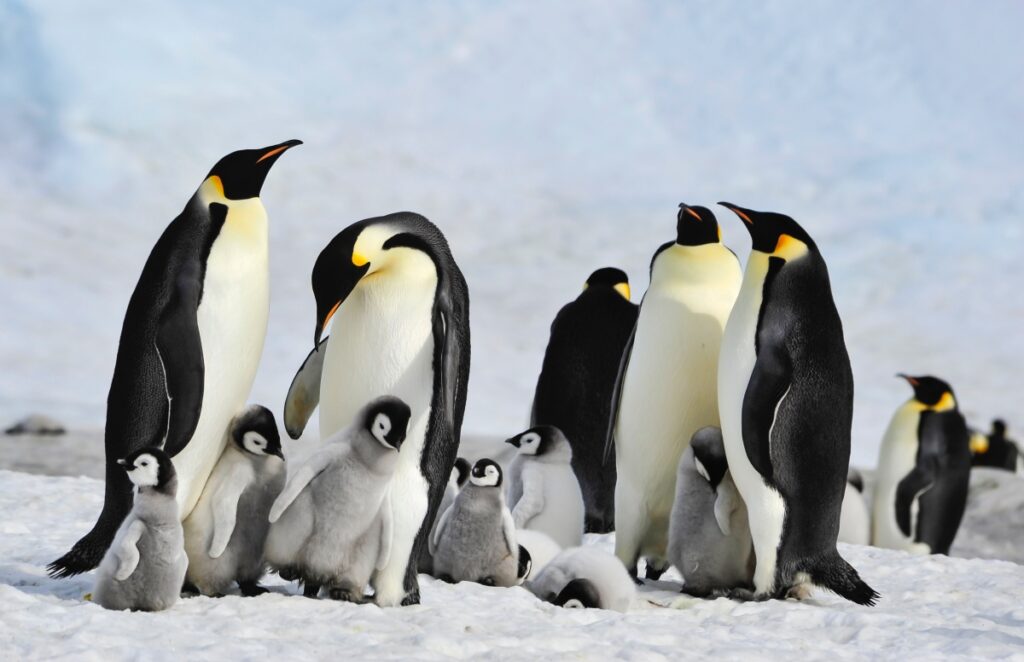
(189, 590)
(311, 590)
(288, 574)
(486, 581)
(345, 595)
(411, 598)
(251, 589)
(446, 578)
(654, 570)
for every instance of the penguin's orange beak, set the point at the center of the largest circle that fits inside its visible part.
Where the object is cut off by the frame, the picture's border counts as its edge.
(739, 211)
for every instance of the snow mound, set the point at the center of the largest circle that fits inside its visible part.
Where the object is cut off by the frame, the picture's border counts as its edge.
(930, 607)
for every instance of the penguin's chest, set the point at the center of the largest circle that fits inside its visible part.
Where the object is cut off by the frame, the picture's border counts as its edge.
(232, 318)
(899, 457)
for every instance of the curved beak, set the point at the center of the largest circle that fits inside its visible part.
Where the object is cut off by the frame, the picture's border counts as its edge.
(274, 151)
(685, 209)
(746, 215)
(910, 380)
(513, 440)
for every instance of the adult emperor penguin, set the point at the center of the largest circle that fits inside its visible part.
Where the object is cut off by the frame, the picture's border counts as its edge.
(995, 449)
(668, 381)
(785, 391)
(191, 341)
(401, 326)
(924, 467)
(574, 390)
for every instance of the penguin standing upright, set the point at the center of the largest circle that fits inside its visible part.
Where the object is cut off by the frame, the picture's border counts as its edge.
(458, 478)
(785, 390)
(924, 467)
(574, 390)
(667, 387)
(401, 319)
(996, 450)
(191, 342)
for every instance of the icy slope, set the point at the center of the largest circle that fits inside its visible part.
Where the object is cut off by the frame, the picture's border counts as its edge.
(931, 607)
(546, 141)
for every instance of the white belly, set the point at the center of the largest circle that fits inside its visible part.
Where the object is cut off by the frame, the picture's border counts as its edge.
(896, 459)
(562, 515)
(232, 325)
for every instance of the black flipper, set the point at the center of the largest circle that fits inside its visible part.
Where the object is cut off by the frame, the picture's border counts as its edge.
(304, 392)
(769, 382)
(613, 412)
(181, 355)
(918, 481)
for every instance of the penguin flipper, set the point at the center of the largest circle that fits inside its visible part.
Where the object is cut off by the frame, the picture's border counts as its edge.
(225, 509)
(304, 392)
(508, 528)
(387, 533)
(914, 484)
(609, 439)
(442, 523)
(768, 386)
(726, 503)
(180, 350)
(128, 550)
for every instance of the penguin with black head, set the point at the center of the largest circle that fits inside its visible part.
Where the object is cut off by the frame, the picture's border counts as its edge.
(190, 343)
(924, 467)
(574, 390)
(400, 311)
(785, 392)
(996, 449)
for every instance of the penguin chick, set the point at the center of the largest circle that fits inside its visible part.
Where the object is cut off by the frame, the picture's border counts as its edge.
(543, 491)
(709, 536)
(541, 547)
(226, 531)
(144, 567)
(475, 538)
(458, 478)
(585, 577)
(332, 525)
(854, 518)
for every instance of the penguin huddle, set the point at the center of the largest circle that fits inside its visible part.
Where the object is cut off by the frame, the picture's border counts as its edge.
(708, 426)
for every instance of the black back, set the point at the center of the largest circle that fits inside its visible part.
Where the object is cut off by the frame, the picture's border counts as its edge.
(1002, 452)
(943, 447)
(574, 389)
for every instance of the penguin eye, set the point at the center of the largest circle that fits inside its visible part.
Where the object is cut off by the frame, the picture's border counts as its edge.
(144, 463)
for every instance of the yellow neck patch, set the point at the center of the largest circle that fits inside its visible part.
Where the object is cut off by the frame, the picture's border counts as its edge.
(358, 259)
(945, 403)
(623, 289)
(979, 443)
(789, 248)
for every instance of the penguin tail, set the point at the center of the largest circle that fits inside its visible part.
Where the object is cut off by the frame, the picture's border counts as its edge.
(83, 557)
(835, 574)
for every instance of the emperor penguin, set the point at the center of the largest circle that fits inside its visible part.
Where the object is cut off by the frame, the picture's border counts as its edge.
(401, 320)
(709, 537)
(667, 389)
(458, 478)
(996, 450)
(476, 539)
(191, 342)
(143, 568)
(333, 524)
(785, 391)
(585, 577)
(924, 467)
(227, 530)
(574, 390)
(854, 518)
(543, 491)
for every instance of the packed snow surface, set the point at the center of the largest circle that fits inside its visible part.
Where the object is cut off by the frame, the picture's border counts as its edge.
(931, 607)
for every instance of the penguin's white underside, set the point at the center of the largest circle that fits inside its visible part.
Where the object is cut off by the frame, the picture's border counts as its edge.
(899, 450)
(232, 318)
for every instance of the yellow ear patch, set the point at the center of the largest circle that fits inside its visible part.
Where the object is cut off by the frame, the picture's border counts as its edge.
(358, 259)
(979, 443)
(945, 403)
(217, 184)
(623, 289)
(789, 247)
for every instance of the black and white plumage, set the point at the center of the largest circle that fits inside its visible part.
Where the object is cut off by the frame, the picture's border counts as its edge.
(574, 389)
(996, 449)
(924, 470)
(333, 524)
(542, 489)
(585, 577)
(786, 400)
(709, 537)
(227, 530)
(400, 311)
(144, 567)
(475, 538)
(190, 343)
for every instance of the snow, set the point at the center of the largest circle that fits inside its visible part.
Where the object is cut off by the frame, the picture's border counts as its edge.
(931, 607)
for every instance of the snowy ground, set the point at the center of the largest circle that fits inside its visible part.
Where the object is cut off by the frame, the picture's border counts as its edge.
(931, 607)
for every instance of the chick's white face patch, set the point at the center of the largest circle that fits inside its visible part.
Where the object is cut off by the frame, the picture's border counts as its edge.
(489, 479)
(380, 428)
(145, 471)
(254, 442)
(701, 469)
(529, 443)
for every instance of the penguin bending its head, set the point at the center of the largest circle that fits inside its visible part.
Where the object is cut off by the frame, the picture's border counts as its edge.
(667, 388)
(226, 532)
(399, 305)
(144, 567)
(543, 491)
(198, 314)
(585, 577)
(924, 469)
(785, 392)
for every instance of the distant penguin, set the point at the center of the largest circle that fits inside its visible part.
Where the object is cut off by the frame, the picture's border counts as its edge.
(543, 491)
(401, 324)
(924, 468)
(459, 476)
(574, 390)
(854, 518)
(191, 341)
(144, 567)
(709, 537)
(667, 389)
(996, 450)
(475, 538)
(333, 524)
(785, 390)
(227, 530)
(585, 577)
